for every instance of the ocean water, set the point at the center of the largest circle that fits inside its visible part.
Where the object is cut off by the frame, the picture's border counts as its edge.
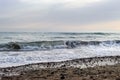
(20, 48)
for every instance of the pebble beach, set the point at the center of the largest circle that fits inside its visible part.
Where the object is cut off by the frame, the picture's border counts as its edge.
(94, 68)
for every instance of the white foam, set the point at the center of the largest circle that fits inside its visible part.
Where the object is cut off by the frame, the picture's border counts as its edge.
(8, 59)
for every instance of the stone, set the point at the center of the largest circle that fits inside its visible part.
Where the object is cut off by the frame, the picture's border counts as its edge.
(15, 46)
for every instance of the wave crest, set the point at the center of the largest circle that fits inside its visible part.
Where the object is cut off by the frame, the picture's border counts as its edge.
(47, 45)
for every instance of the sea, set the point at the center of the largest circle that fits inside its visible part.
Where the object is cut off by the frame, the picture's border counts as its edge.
(20, 48)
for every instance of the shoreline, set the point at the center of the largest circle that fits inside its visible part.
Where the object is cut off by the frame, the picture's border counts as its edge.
(76, 63)
(108, 72)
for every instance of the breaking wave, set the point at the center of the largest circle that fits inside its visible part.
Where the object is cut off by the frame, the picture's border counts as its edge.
(48, 45)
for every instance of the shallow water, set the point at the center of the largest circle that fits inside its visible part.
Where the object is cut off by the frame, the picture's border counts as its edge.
(53, 47)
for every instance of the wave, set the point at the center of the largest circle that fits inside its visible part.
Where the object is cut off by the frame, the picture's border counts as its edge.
(48, 45)
(88, 33)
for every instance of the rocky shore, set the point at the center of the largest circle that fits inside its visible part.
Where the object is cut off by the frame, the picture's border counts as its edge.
(95, 68)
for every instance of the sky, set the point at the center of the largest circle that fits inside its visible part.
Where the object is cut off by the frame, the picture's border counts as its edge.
(59, 15)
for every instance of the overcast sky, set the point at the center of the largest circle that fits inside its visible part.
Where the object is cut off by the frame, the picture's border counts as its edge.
(62, 15)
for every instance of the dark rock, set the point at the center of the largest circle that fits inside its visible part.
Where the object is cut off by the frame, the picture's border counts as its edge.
(14, 46)
(62, 77)
(91, 77)
(118, 78)
(52, 72)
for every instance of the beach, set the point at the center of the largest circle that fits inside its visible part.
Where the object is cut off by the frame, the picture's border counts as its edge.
(95, 68)
(59, 56)
(59, 40)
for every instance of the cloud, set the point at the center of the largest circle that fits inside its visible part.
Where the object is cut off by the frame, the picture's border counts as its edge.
(104, 11)
(45, 14)
(60, 1)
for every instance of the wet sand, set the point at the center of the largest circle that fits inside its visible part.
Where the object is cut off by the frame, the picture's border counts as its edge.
(97, 68)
